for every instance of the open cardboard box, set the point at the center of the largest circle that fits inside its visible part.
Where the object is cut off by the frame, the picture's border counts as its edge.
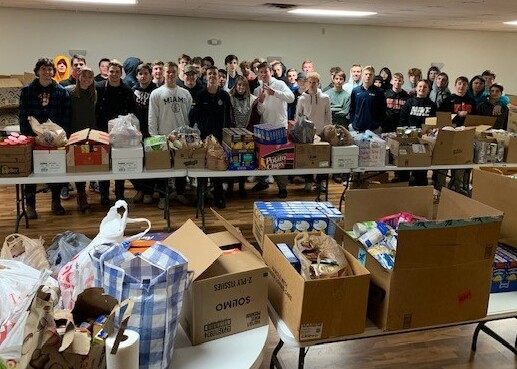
(452, 146)
(410, 151)
(229, 292)
(88, 150)
(510, 146)
(443, 267)
(315, 309)
(491, 186)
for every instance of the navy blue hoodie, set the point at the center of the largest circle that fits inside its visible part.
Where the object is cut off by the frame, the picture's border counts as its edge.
(130, 66)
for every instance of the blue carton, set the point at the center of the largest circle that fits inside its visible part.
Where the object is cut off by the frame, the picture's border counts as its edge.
(504, 273)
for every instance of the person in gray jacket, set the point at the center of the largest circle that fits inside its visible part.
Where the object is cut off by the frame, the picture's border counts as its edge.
(440, 90)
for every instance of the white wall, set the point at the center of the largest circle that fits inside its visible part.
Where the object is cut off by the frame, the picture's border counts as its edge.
(30, 34)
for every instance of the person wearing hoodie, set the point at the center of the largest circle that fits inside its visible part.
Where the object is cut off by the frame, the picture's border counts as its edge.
(355, 78)
(414, 75)
(440, 91)
(78, 63)
(130, 65)
(62, 64)
(386, 76)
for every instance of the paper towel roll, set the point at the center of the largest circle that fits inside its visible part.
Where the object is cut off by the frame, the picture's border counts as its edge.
(127, 354)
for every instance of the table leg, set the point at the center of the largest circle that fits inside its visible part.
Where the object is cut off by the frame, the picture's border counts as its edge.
(301, 357)
(275, 363)
(20, 208)
(482, 327)
(200, 208)
(166, 209)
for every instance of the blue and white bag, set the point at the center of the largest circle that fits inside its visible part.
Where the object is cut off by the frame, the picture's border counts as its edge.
(155, 280)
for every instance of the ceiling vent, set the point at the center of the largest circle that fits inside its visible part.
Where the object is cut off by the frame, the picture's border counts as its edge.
(280, 5)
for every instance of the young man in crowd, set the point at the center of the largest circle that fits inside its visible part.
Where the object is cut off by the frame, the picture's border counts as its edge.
(231, 62)
(367, 105)
(333, 71)
(273, 97)
(78, 63)
(222, 75)
(252, 78)
(183, 60)
(169, 108)
(157, 73)
(44, 99)
(395, 100)
(339, 100)
(307, 66)
(414, 76)
(191, 82)
(356, 71)
(103, 70)
(440, 90)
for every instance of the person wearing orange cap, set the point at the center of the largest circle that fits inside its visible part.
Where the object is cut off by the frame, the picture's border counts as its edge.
(62, 64)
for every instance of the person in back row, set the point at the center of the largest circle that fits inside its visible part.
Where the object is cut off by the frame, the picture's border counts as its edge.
(396, 97)
(339, 100)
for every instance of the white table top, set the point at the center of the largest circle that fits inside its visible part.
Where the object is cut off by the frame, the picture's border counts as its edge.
(237, 351)
(500, 306)
(205, 173)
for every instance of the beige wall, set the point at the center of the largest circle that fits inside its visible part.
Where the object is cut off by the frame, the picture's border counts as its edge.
(29, 34)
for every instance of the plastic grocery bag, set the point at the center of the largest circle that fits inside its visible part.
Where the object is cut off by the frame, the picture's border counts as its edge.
(48, 133)
(22, 248)
(125, 132)
(18, 286)
(63, 248)
(303, 130)
(78, 273)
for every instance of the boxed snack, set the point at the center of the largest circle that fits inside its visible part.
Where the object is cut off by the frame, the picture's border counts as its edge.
(271, 217)
(344, 157)
(239, 159)
(312, 155)
(409, 151)
(280, 156)
(229, 291)
(443, 266)
(315, 309)
(88, 150)
(238, 139)
(127, 160)
(504, 274)
(270, 134)
(49, 160)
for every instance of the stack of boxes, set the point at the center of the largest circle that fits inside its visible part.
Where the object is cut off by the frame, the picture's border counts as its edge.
(239, 146)
(273, 150)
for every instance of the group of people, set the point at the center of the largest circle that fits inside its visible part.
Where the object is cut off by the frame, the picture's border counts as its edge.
(194, 92)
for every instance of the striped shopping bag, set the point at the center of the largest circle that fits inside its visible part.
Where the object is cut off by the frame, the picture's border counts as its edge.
(155, 280)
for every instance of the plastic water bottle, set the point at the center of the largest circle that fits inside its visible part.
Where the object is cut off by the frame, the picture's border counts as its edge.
(374, 235)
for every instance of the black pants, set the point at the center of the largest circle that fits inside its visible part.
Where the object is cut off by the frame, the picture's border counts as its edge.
(30, 193)
(104, 188)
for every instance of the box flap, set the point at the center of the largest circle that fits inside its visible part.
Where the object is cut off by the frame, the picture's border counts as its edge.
(78, 136)
(238, 235)
(199, 250)
(453, 205)
(10, 83)
(478, 120)
(371, 204)
(90, 135)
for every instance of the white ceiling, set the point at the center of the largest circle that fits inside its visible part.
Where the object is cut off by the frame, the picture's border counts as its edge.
(445, 14)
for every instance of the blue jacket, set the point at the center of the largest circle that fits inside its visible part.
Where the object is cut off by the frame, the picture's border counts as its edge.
(367, 108)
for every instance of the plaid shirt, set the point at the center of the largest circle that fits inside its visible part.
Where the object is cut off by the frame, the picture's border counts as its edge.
(43, 103)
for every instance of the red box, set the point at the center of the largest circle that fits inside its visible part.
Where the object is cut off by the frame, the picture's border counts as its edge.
(88, 151)
(275, 156)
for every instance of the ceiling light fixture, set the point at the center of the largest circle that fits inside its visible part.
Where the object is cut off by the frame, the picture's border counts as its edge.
(330, 13)
(107, 2)
(512, 23)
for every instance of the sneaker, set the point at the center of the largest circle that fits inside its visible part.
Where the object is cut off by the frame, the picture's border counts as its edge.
(322, 188)
(138, 197)
(65, 193)
(242, 193)
(270, 180)
(220, 203)
(251, 179)
(182, 200)
(161, 203)
(193, 182)
(57, 208)
(148, 199)
(436, 196)
(307, 187)
(31, 212)
(94, 187)
(260, 186)
(337, 178)
(282, 193)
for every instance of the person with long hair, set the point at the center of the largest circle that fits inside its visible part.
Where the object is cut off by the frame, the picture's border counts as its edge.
(83, 98)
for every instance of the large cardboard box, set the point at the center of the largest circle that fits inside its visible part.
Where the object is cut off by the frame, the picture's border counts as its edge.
(229, 292)
(158, 160)
(10, 89)
(49, 161)
(271, 217)
(320, 308)
(275, 156)
(314, 155)
(16, 161)
(127, 160)
(344, 157)
(88, 150)
(185, 158)
(410, 152)
(512, 121)
(443, 266)
(452, 146)
(495, 187)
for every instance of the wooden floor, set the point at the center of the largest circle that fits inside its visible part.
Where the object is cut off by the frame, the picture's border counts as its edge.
(435, 349)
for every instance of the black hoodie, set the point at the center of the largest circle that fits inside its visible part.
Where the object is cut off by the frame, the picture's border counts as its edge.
(415, 110)
(130, 66)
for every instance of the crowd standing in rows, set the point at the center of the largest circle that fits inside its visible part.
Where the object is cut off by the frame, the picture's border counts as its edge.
(194, 92)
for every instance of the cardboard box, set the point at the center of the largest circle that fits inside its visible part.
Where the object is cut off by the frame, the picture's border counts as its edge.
(88, 150)
(372, 149)
(488, 150)
(452, 146)
(229, 292)
(314, 155)
(280, 156)
(16, 161)
(344, 157)
(443, 267)
(10, 89)
(9, 117)
(158, 160)
(194, 159)
(410, 152)
(127, 160)
(239, 159)
(49, 161)
(320, 308)
(493, 187)
(504, 273)
(271, 217)
(510, 146)
(238, 139)
(512, 121)
(472, 120)
(442, 119)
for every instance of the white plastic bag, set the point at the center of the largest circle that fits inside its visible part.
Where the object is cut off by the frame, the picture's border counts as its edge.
(22, 248)
(18, 285)
(63, 248)
(78, 274)
(124, 131)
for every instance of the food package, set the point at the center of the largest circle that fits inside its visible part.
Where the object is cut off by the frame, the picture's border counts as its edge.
(303, 130)
(156, 143)
(216, 158)
(48, 134)
(124, 131)
(336, 135)
(185, 138)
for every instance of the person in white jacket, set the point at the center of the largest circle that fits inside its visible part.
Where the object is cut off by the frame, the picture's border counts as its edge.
(273, 97)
